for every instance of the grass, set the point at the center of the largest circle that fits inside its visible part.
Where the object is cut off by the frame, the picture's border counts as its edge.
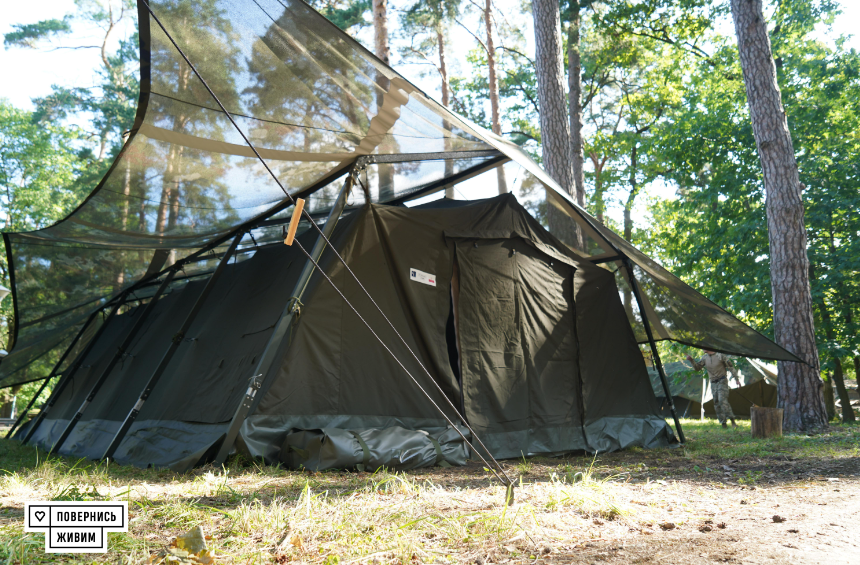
(263, 514)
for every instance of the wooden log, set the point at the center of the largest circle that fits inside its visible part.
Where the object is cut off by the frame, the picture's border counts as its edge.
(766, 422)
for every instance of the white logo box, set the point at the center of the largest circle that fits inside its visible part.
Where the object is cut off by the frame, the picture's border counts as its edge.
(76, 526)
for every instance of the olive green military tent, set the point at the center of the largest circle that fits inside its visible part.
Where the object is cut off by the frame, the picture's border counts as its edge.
(176, 326)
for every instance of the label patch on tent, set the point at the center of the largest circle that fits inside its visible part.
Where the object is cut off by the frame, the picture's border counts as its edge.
(422, 277)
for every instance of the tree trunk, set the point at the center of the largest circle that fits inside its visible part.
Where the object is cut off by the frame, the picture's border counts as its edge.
(446, 97)
(857, 373)
(631, 196)
(494, 88)
(381, 47)
(844, 400)
(800, 385)
(380, 30)
(554, 126)
(574, 81)
(829, 398)
(599, 204)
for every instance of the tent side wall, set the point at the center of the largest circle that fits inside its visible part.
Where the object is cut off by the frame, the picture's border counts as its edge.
(621, 409)
(188, 411)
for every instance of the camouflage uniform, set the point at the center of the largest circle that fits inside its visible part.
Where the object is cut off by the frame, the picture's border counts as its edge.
(718, 366)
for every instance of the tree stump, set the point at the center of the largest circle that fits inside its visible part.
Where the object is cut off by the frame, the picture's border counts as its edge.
(766, 422)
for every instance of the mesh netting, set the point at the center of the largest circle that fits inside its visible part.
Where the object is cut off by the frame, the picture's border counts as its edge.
(678, 312)
(309, 98)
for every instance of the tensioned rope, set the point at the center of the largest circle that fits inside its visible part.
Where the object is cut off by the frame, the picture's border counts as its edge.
(506, 481)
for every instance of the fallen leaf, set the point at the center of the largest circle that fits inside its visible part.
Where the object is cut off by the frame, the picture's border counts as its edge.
(188, 548)
(296, 542)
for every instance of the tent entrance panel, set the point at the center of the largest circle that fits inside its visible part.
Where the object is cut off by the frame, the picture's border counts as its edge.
(518, 348)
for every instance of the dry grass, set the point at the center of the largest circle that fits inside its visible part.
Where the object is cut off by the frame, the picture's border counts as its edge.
(565, 509)
(265, 513)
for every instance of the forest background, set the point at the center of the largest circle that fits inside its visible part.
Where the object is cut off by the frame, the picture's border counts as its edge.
(669, 156)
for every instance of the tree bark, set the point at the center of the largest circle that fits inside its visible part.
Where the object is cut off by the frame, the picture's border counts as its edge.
(554, 126)
(574, 81)
(494, 88)
(383, 52)
(800, 385)
(857, 373)
(446, 97)
(380, 30)
(829, 399)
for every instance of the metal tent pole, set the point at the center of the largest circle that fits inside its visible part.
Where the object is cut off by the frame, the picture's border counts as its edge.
(263, 367)
(126, 343)
(659, 364)
(175, 341)
(67, 377)
(53, 373)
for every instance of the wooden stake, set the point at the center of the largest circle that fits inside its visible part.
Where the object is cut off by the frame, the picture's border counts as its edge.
(294, 222)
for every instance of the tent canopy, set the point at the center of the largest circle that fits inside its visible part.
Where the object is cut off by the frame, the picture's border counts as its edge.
(316, 105)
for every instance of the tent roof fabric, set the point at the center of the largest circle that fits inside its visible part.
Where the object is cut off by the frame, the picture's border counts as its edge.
(313, 102)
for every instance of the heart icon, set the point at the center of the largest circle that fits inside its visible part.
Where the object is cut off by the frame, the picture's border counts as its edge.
(40, 515)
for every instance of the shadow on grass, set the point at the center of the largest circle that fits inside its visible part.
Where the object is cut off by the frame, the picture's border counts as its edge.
(712, 455)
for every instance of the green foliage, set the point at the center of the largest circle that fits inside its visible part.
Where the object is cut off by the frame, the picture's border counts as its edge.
(345, 14)
(29, 35)
(715, 234)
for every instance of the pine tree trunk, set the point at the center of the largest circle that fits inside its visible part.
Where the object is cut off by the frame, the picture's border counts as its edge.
(446, 98)
(380, 30)
(800, 386)
(383, 52)
(494, 88)
(844, 400)
(829, 398)
(554, 126)
(574, 81)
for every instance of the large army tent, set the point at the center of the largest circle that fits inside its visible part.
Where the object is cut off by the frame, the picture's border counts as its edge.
(177, 325)
(691, 390)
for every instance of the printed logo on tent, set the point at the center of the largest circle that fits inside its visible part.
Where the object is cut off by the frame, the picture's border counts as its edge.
(76, 526)
(422, 277)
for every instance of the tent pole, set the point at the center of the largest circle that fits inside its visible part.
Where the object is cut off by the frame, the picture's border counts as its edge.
(67, 377)
(262, 373)
(658, 364)
(175, 341)
(126, 343)
(53, 373)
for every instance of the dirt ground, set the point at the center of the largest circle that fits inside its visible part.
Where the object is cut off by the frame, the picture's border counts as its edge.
(800, 513)
(723, 498)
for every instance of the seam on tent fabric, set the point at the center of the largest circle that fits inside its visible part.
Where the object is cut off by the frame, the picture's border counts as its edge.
(186, 207)
(226, 148)
(60, 313)
(581, 399)
(246, 116)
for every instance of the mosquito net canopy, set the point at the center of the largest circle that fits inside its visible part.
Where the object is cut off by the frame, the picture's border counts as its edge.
(315, 104)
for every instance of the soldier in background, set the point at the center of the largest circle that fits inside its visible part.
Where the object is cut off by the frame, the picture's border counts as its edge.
(718, 366)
